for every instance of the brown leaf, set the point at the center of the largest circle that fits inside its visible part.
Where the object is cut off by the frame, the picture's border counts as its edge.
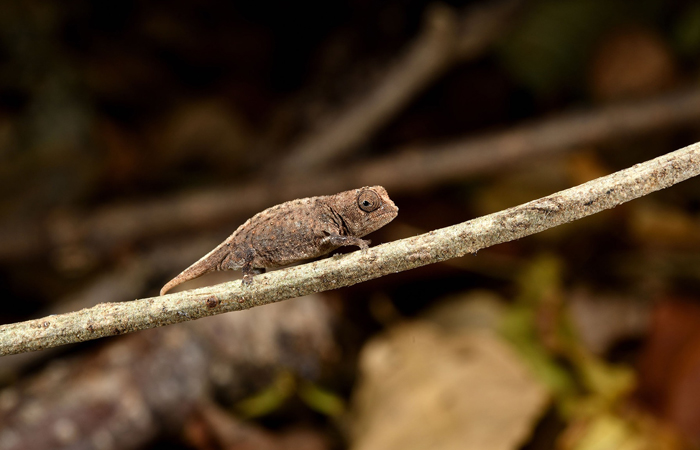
(631, 63)
(424, 389)
(669, 368)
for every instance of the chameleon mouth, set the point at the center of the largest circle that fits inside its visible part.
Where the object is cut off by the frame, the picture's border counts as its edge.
(389, 213)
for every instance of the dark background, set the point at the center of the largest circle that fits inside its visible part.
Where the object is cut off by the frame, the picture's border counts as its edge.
(135, 136)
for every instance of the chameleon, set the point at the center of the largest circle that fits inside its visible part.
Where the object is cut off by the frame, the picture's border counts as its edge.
(295, 231)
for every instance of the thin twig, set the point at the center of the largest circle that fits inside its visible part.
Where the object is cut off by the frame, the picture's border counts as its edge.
(402, 171)
(109, 319)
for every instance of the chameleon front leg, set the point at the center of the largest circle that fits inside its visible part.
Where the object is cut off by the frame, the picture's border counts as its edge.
(344, 241)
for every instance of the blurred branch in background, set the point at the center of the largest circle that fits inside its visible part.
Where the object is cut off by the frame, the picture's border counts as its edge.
(435, 246)
(404, 171)
(448, 37)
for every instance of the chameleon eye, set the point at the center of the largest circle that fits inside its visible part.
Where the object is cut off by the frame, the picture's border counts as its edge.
(368, 201)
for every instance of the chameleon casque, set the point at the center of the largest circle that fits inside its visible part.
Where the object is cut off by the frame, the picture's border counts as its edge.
(296, 231)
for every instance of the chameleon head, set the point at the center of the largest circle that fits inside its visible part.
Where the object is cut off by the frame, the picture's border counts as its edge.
(366, 209)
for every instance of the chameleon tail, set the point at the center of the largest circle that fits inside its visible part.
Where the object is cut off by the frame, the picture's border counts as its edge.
(208, 263)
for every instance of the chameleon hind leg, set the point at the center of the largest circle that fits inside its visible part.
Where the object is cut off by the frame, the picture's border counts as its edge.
(248, 270)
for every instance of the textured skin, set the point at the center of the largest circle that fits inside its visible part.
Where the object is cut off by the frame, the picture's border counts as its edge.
(295, 231)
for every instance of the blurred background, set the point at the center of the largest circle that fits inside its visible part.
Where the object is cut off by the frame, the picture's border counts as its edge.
(136, 136)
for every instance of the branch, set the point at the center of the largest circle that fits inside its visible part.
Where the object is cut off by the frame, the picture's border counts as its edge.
(110, 319)
(402, 171)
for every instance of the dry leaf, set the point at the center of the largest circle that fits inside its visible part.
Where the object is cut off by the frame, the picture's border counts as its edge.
(424, 389)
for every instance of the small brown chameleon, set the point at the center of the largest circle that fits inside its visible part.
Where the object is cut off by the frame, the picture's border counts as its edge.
(295, 231)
